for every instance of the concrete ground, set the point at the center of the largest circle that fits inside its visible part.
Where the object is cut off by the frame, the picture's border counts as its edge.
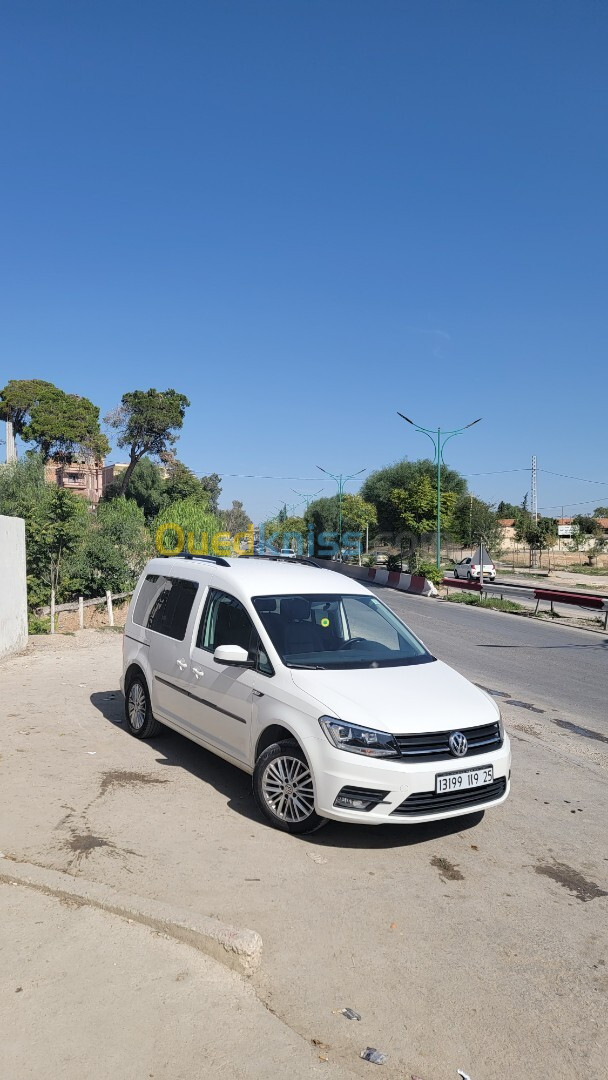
(475, 944)
(88, 995)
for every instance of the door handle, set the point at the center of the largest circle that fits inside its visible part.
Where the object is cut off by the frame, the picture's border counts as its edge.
(182, 664)
(199, 672)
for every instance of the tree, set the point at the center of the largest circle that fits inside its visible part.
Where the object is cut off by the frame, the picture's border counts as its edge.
(357, 514)
(235, 519)
(280, 529)
(322, 514)
(146, 422)
(379, 486)
(56, 521)
(601, 511)
(211, 484)
(416, 509)
(146, 487)
(586, 526)
(181, 483)
(537, 535)
(192, 516)
(114, 550)
(507, 510)
(18, 398)
(59, 425)
(55, 528)
(472, 518)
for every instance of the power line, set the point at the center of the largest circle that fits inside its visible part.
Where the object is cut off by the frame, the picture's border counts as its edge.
(583, 480)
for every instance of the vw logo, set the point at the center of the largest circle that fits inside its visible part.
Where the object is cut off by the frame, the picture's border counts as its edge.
(458, 744)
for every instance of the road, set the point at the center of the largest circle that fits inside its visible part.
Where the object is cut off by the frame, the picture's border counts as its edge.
(559, 670)
(475, 944)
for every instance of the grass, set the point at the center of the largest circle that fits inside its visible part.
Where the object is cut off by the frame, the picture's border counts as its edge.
(493, 602)
(580, 568)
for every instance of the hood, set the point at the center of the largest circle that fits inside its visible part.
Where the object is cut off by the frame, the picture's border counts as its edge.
(402, 700)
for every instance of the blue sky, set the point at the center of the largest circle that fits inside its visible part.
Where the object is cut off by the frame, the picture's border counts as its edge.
(307, 215)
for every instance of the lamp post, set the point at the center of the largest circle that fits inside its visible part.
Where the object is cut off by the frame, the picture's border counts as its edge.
(307, 498)
(340, 481)
(439, 438)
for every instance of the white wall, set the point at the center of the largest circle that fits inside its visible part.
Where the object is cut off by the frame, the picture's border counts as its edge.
(13, 590)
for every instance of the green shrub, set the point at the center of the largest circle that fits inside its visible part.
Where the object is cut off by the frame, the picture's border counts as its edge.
(430, 572)
(38, 625)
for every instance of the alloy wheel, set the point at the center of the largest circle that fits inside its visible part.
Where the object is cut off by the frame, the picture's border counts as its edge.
(137, 706)
(288, 790)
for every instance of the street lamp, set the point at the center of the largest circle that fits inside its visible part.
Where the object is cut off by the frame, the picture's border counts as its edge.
(340, 481)
(439, 438)
(307, 498)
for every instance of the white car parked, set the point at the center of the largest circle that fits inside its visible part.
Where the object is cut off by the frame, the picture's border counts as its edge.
(310, 683)
(469, 568)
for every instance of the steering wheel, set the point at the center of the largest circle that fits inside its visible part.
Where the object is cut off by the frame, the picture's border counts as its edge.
(351, 641)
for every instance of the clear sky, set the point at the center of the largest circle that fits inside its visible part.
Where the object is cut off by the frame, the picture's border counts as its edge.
(307, 214)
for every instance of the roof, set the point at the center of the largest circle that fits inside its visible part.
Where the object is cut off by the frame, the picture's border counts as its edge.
(257, 576)
(603, 522)
(506, 522)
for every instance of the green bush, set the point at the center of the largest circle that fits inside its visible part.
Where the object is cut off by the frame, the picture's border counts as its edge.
(430, 572)
(393, 562)
(38, 625)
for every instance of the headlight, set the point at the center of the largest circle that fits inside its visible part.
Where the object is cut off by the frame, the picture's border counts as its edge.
(359, 740)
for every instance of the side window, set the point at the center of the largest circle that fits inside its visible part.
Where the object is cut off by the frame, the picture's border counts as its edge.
(148, 593)
(167, 605)
(224, 622)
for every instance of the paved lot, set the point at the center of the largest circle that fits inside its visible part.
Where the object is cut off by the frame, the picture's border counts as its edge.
(477, 945)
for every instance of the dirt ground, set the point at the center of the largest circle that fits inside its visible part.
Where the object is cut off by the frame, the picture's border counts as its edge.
(478, 944)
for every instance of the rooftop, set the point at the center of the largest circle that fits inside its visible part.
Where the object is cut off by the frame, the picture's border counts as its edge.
(257, 575)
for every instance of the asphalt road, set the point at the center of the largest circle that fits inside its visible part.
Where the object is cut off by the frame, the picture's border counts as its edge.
(548, 667)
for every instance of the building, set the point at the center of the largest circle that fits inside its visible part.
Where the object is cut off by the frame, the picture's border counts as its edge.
(89, 479)
(508, 528)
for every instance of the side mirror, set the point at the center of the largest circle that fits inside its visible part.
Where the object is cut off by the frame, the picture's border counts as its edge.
(232, 656)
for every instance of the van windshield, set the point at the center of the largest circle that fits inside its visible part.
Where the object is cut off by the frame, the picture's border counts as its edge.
(333, 631)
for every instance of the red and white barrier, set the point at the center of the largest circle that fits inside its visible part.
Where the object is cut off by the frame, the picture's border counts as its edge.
(394, 579)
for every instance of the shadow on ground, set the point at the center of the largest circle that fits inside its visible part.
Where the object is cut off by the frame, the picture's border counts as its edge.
(178, 752)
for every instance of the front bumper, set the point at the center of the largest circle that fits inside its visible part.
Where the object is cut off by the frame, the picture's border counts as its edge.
(335, 769)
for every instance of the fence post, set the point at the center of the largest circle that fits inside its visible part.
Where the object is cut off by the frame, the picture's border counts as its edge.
(81, 612)
(110, 609)
(52, 611)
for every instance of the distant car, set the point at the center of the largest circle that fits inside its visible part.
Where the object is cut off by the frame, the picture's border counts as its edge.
(287, 553)
(466, 568)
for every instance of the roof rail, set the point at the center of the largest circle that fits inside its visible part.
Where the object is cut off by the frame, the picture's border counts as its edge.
(217, 559)
(302, 559)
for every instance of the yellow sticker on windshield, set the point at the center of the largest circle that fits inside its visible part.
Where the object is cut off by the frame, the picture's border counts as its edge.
(324, 622)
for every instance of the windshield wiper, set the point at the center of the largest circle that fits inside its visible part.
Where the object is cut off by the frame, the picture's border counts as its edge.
(308, 667)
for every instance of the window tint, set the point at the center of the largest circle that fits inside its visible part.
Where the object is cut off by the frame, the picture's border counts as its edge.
(164, 605)
(225, 622)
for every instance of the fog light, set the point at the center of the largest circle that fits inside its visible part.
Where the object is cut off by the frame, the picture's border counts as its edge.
(351, 798)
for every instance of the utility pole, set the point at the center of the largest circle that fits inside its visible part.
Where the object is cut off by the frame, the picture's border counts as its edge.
(439, 438)
(534, 509)
(341, 481)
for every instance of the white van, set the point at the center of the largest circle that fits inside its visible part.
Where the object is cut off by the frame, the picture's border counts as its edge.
(309, 682)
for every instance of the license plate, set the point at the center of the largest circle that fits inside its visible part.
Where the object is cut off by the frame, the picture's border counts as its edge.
(462, 781)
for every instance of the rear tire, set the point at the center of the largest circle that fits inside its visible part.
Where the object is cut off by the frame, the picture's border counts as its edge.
(283, 788)
(138, 712)
(469, 575)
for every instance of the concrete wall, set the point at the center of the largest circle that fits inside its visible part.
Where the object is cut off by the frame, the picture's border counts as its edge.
(13, 589)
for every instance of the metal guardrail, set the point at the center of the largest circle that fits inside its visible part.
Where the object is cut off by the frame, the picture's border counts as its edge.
(552, 596)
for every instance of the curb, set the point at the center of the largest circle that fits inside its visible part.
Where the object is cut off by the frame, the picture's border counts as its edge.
(240, 950)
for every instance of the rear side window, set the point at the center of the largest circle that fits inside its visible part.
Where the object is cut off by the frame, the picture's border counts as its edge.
(164, 605)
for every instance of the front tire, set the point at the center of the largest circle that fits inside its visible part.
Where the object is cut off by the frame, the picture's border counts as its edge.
(138, 712)
(283, 788)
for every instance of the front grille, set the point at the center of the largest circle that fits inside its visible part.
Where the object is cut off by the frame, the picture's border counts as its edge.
(433, 745)
(427, 802)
